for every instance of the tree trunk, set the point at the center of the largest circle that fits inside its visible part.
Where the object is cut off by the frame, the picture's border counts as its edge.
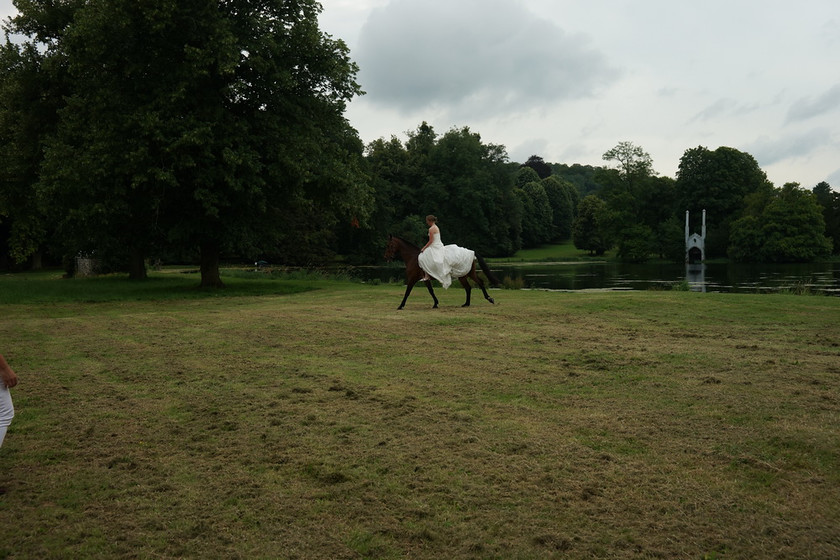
(136, 266)
(210, 266)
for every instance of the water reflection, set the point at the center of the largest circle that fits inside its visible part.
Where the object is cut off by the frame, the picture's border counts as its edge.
(715, 277)
(817, 277)
(695, 275)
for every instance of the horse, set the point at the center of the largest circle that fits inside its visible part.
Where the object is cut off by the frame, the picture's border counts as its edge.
(398, 247)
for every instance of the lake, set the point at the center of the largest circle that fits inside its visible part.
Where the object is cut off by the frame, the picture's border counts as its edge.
(713, 277)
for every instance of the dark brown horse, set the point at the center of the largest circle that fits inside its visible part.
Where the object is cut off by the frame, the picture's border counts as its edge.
(408, 252)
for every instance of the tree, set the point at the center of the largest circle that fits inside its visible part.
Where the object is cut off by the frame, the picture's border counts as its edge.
(793, 227)
(790, 228)
(636, 244)
(457, 177)
(561, 198)
(199, 123)
(537, 163)
(467, 185)
(525, 175)
(588, 231)
(638, 202)
(537, 215)
(583, 177)
(28, 103)
(830, 203)
(632, 162)
(718, 181)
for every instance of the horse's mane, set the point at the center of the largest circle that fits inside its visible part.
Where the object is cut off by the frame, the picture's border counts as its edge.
(407, 242)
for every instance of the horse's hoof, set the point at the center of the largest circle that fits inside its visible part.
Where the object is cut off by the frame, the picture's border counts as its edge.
(490, 300)
(466, 305)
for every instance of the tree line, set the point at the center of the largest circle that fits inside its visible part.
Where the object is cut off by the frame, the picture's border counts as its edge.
(199, 130)
(499, 207)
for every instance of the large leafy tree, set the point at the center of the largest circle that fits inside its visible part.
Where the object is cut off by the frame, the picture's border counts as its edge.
(457, 177)
(539, 166)
(790, 228)
(205, 123)
(25, 114)
(720, 182)
(830, 203)
(638, 202)
(537, 216)
(478, 192)
(631, 162)
(563, 200)
(588, 230)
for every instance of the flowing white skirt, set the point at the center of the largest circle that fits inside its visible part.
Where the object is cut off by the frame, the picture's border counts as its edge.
(445, 262)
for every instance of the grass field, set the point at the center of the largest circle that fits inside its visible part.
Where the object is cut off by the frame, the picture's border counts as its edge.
(311, 419)
(557, 252)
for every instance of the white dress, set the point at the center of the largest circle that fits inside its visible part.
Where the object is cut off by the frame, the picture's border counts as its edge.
(445, 262)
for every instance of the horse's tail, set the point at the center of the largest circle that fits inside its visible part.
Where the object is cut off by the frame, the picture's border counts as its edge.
(486, 269)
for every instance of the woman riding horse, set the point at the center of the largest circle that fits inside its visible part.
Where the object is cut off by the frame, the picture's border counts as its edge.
(408, 252)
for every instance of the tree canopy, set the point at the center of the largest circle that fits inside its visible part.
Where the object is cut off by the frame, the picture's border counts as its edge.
(195, 123)
(789, 228)
(718, 181)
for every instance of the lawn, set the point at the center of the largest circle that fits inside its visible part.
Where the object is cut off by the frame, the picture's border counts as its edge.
(558, 252)
(306, 418)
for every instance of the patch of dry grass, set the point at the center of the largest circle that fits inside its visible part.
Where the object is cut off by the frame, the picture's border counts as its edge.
(330, 425)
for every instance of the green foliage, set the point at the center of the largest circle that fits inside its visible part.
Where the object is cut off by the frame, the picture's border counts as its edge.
(456, 177)
(790, 228)
(539, 165)
(27, 114)
(669, 239)
(195, 124)
(583, 177)
(718, 181)
(830, 203)
(641, 206)
(537, 218)
(589, 231)
(525, 175)
(561, 198)
(636, 243)
(632, 162)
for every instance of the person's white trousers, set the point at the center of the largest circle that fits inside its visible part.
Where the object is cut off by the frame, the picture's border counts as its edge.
(7, 411)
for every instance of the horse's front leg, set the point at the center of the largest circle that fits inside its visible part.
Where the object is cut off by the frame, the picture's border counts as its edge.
(408, 287)
(432, 292)
(467, 288)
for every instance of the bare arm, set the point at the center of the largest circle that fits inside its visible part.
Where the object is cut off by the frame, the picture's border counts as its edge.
(432, 231)
(7, 375)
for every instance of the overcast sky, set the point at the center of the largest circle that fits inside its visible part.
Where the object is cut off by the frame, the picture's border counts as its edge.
(568, 80)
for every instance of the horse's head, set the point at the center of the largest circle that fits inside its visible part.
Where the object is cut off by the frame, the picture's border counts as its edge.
(393, 248)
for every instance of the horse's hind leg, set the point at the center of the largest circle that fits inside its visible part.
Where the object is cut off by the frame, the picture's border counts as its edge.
(432, 292)
(467, 288)
(483, 289)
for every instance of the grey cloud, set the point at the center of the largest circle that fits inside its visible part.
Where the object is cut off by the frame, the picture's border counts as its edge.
(720, 107)
(809, 108)
(531, 147)
(723, 107)
(769, 151)
(834, 180)
(472, 56)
